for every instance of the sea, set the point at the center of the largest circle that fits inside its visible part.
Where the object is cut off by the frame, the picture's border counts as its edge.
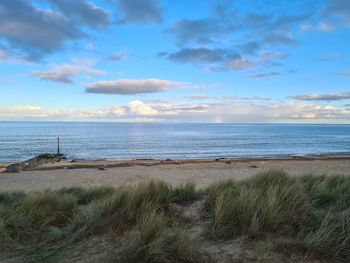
(98, 141)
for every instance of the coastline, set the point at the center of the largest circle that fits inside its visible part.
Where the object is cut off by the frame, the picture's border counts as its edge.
(203, 172)
(114, 163)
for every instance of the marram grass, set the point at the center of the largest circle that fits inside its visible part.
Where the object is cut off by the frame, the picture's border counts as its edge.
(310, 214)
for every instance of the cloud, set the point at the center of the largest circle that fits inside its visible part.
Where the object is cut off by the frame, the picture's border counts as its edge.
(321, 26)
(35, 32)
(119, 56)
(264, 75)
(140, 11)
(29, 111)
(226, 20)
(279, 38)
(229, 111)
(202, 55)
(4, 54)
(85, 12)
(339, 8)
(64, 73)
(255, 98)
(346, 73)
(323, 97)
(133, 109)
(199, 97)
(198, 30)
(238, 64)
(250, 47)
(272, 54)
(232, 31)
(223, 60)
(328, 58)
(139, 108)
(131, 86)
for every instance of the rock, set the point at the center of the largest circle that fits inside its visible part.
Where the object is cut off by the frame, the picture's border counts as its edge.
(13, 168)
(221, 158)
(33, 162)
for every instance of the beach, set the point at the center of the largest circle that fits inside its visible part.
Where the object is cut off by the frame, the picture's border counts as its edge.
(131, 172)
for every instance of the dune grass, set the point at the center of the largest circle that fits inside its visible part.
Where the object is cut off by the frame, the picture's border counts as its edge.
(185, 193)
(268, 202)
(310, 212)
(152, 241)
(39, 225)
(309, 215)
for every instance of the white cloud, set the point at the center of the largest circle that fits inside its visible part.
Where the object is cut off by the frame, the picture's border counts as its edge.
(225, 111)
(65, 72)
(139, 108)
(29, 111)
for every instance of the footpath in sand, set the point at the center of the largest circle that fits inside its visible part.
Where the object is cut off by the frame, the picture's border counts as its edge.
(122, 173)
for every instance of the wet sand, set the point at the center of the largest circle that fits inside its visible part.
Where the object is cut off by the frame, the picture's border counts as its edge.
(122, 173)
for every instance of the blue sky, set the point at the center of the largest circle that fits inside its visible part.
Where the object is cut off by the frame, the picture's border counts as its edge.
(175, 61)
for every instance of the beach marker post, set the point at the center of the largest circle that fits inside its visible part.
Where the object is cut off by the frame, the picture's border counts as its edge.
(58, 145)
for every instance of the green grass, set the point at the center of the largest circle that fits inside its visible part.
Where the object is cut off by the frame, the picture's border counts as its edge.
(151, 241)
(308, 215)
(328, 191)
(267, 203)
(310, 212)
(184, 193)
(85, 196)
(11, 198)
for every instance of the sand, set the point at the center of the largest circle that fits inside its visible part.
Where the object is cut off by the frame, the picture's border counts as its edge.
(122, 173)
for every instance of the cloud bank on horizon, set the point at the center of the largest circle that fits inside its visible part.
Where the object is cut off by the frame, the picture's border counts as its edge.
(181, 61)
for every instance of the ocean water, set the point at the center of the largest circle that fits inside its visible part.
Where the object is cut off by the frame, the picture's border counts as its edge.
(22, 140)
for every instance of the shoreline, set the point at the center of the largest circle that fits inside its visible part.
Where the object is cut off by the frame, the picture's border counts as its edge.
(125, 173)
(114, 163)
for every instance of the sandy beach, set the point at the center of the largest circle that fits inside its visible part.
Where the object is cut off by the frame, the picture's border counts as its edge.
(122, 173)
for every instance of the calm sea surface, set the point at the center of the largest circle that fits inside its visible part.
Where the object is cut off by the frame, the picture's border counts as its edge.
(22, 140)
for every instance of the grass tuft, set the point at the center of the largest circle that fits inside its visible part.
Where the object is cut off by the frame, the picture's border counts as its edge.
(330, 237)
(151, 242)
(185, 193)
(327, 191)
(269, 202)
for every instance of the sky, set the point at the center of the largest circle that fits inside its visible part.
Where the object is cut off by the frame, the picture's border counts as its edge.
(211, 61)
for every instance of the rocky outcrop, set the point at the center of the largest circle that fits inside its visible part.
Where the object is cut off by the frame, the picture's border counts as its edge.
(33, 162)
